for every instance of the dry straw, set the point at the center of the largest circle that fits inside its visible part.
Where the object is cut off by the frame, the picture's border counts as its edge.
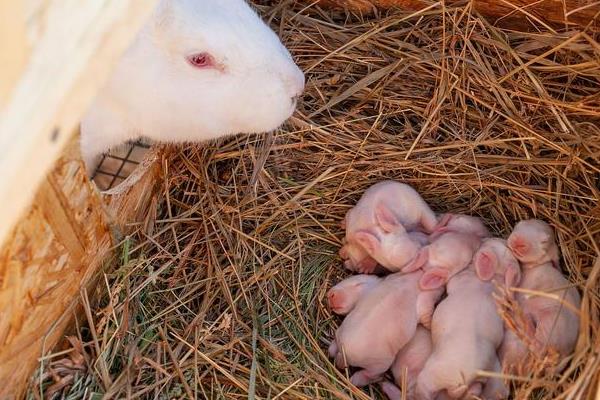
(220, 291)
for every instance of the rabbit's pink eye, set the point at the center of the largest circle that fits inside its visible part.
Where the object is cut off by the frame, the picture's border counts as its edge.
(201, 60)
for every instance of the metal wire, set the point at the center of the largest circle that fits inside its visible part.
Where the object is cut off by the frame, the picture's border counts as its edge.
(114, 167)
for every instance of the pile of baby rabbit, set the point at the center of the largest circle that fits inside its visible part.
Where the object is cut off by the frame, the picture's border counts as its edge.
(434, 316)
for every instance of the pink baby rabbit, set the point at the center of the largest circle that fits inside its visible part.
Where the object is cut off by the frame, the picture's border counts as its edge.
(383, 320)
(377, 227)
(343, 297)
(198, 70)
(447, 255)
(553, 323)
(532, 242)
(461, 223)
(412, 358)
(467, 329)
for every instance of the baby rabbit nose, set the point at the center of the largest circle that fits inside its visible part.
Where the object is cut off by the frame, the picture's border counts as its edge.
(331, 297)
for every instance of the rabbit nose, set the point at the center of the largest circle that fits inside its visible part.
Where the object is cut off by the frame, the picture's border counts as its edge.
(295, 83)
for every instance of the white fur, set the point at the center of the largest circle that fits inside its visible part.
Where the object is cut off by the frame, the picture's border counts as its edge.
(154, 92)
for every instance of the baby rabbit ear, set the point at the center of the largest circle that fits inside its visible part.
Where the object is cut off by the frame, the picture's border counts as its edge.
(512, 275)
(444, 220)
(433, 279)
(368, 241)
(485, 265)
(386, 219)
(442, 226)
(530, 325)
(419, 261)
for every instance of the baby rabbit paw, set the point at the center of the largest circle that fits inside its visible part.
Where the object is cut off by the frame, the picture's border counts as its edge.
(367, 265)
(343, 252)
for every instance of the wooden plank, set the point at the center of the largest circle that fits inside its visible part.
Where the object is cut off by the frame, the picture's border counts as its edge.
(13, 42)
(561, 12)
(54, 252)
(74, 46)
(61, 218)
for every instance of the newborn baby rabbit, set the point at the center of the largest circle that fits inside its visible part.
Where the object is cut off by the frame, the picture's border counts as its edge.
(343, 297)
(198, 70)
(460, 223)
(378, 228)
(381, 321)
(383, 315)
(467, 329)
(411, 358)
(447, 255)
(552, 323)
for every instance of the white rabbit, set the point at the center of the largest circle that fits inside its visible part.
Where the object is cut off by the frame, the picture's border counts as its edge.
(198, 70)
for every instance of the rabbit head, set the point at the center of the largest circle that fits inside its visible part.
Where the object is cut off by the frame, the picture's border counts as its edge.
(198, 70)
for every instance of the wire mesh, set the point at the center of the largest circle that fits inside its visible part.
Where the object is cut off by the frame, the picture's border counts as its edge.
(116, 165)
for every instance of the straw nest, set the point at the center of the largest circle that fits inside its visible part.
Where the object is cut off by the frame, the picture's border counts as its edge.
(220, 291)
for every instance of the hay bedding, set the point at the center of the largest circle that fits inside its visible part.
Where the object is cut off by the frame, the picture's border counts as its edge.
(220, 291)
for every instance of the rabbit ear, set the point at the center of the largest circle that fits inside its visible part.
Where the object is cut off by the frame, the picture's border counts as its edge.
(485, 265)
(512, 275)
(444, 220)
(368, 241)
(530, 325)
(442, 226)
(438, 232)
(386, 219)
(433, 279)
(419, 261)
(555, 257)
